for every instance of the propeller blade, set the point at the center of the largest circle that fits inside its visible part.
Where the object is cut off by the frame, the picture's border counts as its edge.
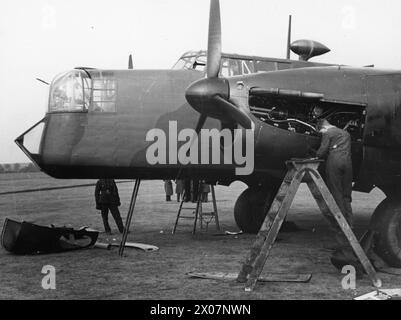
(214, 41)
(130, 64)
(198, 128)
(235, 113)
(200, 124)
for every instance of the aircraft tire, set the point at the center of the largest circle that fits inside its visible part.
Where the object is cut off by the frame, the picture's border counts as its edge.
(251, 208)
(386, 221)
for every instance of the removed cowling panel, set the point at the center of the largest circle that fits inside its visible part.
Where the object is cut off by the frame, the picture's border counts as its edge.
(28, 238)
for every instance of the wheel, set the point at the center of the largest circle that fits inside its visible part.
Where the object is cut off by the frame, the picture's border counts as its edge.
(252, 206)
(386, 222)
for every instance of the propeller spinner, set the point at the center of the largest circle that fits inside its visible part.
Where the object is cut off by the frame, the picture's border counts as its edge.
(211, 96)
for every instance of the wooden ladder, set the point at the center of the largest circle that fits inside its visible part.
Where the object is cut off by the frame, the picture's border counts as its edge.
(199, 213)
(298, 171)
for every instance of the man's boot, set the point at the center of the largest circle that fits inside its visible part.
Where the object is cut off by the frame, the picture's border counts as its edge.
(346, 257)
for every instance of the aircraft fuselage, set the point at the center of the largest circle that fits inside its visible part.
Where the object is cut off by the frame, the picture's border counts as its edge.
(89, 143)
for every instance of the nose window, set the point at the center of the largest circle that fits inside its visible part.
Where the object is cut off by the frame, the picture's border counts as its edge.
(70, 92)
(104, 94)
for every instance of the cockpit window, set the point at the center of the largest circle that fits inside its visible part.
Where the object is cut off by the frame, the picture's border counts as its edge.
(200, 63)
(104, 94)
(191, 62)
(185, 63)
(76, 91)
(70, 92)
(264, 66)
(230, 66)
(235, 67)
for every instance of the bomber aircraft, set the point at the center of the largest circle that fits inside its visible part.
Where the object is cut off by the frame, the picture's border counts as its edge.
(150, 124)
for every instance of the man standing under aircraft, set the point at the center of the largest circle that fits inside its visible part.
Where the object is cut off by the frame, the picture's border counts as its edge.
(107, 198)
(168, 188)
(335, 147)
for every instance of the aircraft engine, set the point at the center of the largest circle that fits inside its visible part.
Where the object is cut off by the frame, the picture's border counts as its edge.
(301, 117)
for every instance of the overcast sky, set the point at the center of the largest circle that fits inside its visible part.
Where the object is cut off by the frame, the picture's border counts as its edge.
(43, 38)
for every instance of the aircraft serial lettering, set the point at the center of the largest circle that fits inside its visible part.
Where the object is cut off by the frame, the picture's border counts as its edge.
(230, 143)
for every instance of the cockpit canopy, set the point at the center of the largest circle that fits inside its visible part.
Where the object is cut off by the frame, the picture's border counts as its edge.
(230, 65)
(192, 60)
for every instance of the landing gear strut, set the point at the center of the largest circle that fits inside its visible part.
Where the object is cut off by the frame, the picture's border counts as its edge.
(129, 217)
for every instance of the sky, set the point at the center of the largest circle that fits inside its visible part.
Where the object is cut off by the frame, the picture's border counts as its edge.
(43, 38)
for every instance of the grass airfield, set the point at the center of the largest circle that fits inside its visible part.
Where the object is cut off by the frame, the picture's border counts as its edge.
(102, 274)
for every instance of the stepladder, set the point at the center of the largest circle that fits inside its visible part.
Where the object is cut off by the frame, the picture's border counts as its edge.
(299, 171)
(199, 212)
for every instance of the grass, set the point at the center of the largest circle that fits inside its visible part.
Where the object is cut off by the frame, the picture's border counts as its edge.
(101, 274)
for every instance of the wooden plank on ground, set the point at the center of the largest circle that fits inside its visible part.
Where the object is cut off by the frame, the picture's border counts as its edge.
(269, 277)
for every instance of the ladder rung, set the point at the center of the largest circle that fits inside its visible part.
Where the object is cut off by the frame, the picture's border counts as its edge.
(208, 214)
(198, 214)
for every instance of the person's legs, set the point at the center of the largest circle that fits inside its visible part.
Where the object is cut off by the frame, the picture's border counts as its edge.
(105, 218)
(339, 182)
(347, 193)
(334, 178)
(187, 192)
(195, 191)
(117, 218)
(335, 182)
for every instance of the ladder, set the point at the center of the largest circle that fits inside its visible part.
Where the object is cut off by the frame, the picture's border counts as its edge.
(299, 170)
(198, 212)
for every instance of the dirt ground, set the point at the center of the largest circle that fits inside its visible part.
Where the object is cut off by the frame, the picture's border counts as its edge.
(102, 274)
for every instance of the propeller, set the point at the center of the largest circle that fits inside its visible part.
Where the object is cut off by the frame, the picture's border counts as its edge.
(211, 96)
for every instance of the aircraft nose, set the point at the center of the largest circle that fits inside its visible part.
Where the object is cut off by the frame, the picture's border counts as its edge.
(30, 141)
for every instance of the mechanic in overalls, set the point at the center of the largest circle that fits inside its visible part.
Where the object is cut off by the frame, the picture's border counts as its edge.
(335, 148)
